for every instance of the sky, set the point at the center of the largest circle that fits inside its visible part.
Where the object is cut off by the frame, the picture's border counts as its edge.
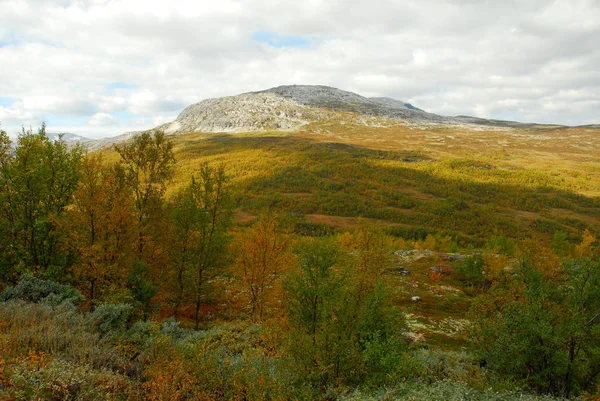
(100, 68)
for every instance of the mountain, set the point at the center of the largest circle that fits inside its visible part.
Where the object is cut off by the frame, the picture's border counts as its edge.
(292, 106)
(69, 138)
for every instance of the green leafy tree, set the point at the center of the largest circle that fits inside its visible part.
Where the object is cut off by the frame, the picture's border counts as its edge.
(543, 328)
(342, 331)
(201, 215)
(142, 288)
(37, 180)
(147, 165)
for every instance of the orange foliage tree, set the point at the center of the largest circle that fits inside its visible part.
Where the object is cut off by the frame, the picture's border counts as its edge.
(100, 228)
(265, 252)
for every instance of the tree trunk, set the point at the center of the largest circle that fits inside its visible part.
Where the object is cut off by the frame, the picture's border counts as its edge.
(197, 318)
(569, 375)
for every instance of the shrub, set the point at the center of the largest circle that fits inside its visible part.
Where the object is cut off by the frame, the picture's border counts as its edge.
(111, 319)
(36, 290)
(442, 390)
(38, 376)
(472, 271)
(60, 330)
(437, 365)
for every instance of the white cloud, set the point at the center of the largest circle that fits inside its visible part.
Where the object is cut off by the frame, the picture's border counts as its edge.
(532, 58)
(15, 113)
(102, 120)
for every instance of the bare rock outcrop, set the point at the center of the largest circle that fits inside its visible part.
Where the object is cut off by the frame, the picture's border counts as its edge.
(242, 113)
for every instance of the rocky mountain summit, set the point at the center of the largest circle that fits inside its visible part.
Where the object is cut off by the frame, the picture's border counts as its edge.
(69, 138)
(290, 107)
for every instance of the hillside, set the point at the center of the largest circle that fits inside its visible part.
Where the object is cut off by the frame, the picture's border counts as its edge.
(332, 156)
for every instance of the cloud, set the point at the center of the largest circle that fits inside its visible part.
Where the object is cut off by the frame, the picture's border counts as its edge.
(102, 120)
(531, 59)
(16, 114)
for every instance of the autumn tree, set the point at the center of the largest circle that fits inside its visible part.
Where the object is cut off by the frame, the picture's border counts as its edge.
(369, 254)
(200, 218)
(586, 247)
(37, 179)
(264, 253)
(100, 228)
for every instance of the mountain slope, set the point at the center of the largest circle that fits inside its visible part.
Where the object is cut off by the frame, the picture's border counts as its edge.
(290, 107)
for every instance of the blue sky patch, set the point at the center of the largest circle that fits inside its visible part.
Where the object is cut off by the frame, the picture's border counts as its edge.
(7, 40)
(121, 85)
(6, 101)
(276, 40)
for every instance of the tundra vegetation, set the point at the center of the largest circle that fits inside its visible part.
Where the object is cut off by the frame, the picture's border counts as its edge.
(297, 266)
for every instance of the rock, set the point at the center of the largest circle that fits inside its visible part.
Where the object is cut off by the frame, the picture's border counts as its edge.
(456, 256)
(242, 113)
(415, 298)
(408, 252)
(403, 271)
(402, 252)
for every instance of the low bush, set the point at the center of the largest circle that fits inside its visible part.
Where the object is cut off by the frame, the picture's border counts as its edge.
(36, 290)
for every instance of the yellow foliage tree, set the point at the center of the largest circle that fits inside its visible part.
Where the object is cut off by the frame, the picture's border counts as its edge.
(585, 249)
(370, 248)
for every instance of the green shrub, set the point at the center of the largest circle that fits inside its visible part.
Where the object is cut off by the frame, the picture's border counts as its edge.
(472, 271)
(141, 333)
(437, 365)
(36, 290)
(111, 319)
(141, 288)
(542, 330)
